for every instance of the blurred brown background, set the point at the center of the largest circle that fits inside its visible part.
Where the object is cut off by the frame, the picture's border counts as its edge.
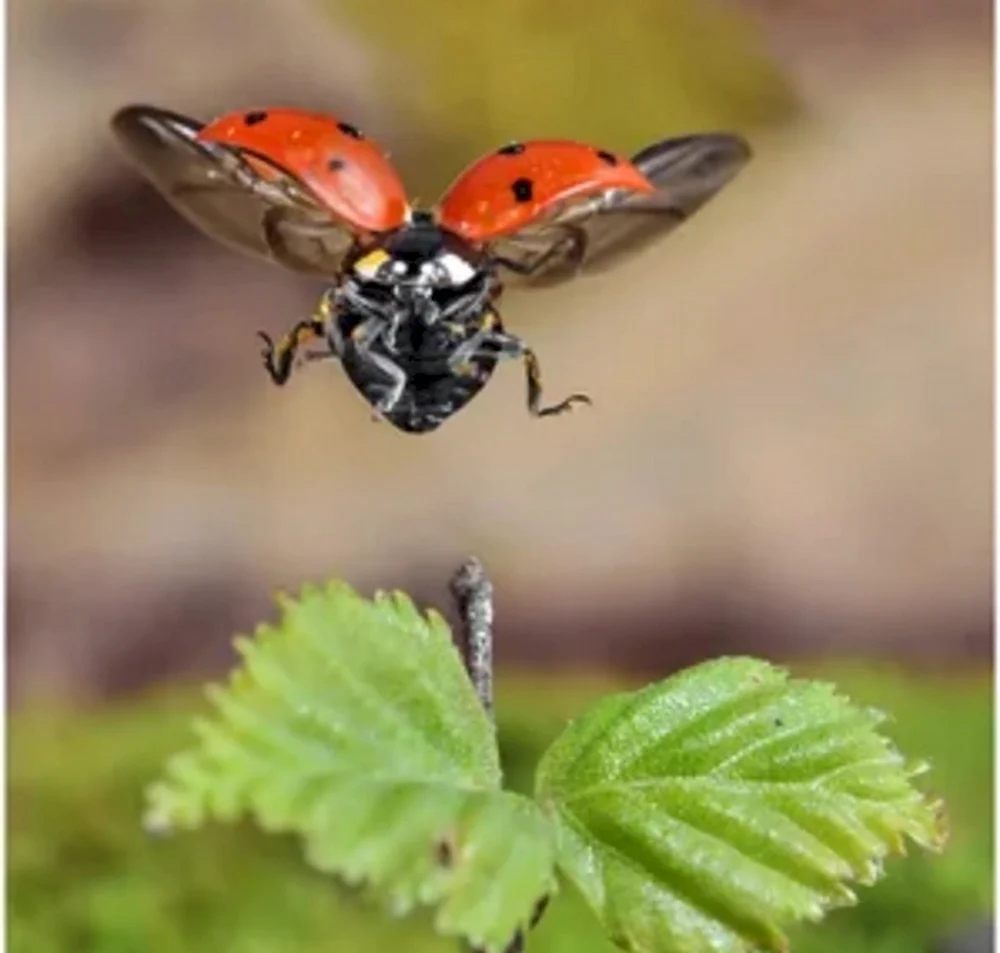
(790, 447)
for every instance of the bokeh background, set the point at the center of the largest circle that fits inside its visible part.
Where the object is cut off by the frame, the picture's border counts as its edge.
(789, 452)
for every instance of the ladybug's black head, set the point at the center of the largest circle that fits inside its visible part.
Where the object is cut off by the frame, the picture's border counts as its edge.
(419, 272)
(420, 255)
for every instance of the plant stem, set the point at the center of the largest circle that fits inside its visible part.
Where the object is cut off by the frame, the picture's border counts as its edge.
(473, 595)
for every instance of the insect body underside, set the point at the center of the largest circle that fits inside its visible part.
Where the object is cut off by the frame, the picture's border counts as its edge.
(415, 369)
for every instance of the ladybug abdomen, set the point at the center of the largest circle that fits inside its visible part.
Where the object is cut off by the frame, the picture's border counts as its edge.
(433, 391)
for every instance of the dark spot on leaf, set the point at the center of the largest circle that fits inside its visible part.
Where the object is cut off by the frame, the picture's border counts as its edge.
(523, 189)
(515, 946)
(511, 149)
(778, 723)
(539, 911)
(252, 118)
(335, 164)
(444, 853)
(609, 158)
(348, 130)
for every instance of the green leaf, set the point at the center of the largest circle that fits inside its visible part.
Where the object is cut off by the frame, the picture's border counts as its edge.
(704, 812)
(353, 724)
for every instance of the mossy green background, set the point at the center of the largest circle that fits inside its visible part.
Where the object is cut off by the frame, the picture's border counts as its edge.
(462, 79)
(84, 877)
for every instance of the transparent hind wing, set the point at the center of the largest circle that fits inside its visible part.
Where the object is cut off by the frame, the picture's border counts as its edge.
(243, 200)
(594, 233)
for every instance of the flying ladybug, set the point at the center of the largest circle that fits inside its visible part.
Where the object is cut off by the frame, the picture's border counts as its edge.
(411, 309)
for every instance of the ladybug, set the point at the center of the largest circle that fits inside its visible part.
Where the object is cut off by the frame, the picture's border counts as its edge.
(411, 308)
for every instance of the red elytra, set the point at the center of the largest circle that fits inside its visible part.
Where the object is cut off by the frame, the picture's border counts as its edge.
(346, 172)
(306, 191)
(509, 189)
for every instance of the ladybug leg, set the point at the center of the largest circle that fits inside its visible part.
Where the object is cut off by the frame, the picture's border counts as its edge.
(366, 333)
(533, 374)
(328, 353)
(397, 381)
(280, 359)
(509, 345)
(361, 339)
(334, 345)
(461, 359)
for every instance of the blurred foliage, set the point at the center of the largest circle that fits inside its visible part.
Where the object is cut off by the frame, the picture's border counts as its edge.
(473, 76)
(83, 876)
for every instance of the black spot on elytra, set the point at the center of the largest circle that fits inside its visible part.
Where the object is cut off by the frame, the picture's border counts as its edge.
(609, 158)
(348, 130)
(523, 189)
(511, 149)
(252, 118)
(335, 164)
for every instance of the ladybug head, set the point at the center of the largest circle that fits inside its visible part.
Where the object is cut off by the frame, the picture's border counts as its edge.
(419, 258)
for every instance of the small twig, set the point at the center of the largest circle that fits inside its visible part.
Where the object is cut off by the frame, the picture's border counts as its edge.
(473, 594)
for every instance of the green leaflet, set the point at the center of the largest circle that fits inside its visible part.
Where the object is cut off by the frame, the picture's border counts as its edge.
(352, 723)
(705, 812)
(699, 815)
